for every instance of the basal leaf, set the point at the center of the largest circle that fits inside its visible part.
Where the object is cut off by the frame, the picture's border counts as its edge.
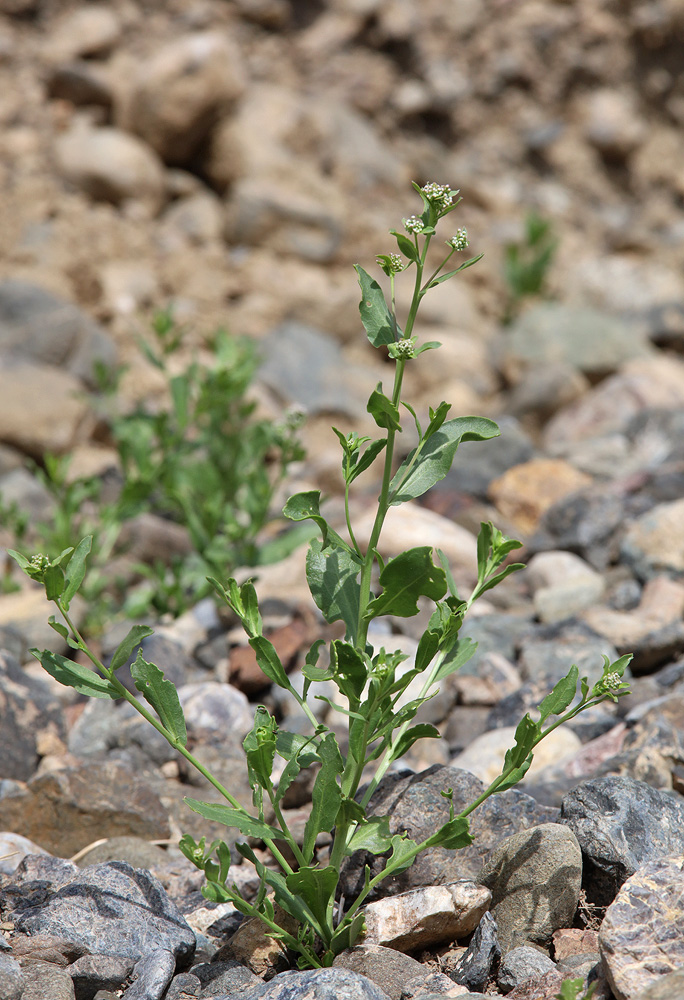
(411, 575)
(75, 570)
(124, 650)
(161, 695)
(375, 316)
(249, 826)
(332, 576)
(326, 795)
(316, 886)
(75, 675)
(436, 457)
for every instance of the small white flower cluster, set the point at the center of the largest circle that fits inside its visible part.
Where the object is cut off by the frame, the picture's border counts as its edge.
(404, 348)
(460, 240)
(40, 562)
(395, 262)
(611, 681)
(413, 225)
(439, 195)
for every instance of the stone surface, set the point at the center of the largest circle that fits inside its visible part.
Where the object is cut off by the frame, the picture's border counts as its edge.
(484, 757)
(43, 979)
(525, 492)
(151, 975)
(424, 917)
(665, 987)
(12, 981)
(66, 810)
(111, 909)
(387, 967)
(521, 964)
(28, 712)
(91, 973)
(621, 824)
(654, 542)
(317, 984)
(535, 877)
(481, 959)
(639, 937)
(13, 849)
(30, 396)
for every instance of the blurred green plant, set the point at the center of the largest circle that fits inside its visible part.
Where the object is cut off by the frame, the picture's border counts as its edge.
(527, 262)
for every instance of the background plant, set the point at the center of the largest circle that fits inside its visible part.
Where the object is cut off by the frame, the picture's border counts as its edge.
(527, 262)
(353, 584)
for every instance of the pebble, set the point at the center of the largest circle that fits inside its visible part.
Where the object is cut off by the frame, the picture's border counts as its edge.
(521, 964)
(421, 918)
(654, 542)
(30, 395)
(480, 961)
(525, 492)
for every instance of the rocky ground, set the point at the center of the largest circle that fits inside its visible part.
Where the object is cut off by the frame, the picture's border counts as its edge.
(235, 159)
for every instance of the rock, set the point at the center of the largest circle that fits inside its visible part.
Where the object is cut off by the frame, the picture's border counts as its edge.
(535, 877)
(199, 217)
(521, 964)
(620, 824)
(495, 633)
(525, 492)
(128, 287)
(27, 711)
(583, 522)
(151, 975)
(665, 987)
(414, 803)
(484, 757)
(592, 342)
(546, 987)
(110, 909)
(481, 959)
(65, 810)
(421, 918)
(110, 165)
(315, 984)
(541, 390)
(134, 850)
(654, 542)
(639, 940)
(612, 123)
(475, 468)
(91, 973)
(43, 979)
(184, 986)
(387, 967)
(81, 82)
(89, 31)
(13, 850)
(12, 981)
(20, 489)
(224, 976)
(571, 941)
(40, 391)
(544, 661)
(411, 525)
(252, 947)
(40, 327)
(213, 708)
(176, 97)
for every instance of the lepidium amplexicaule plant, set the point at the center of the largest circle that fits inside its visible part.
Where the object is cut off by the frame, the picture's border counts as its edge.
(340, 574)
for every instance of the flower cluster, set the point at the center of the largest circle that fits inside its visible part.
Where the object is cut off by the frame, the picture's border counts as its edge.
(459, 241)
(439, 195)
(413, 225)
(392, 261)
(404, 349)
(611, 682)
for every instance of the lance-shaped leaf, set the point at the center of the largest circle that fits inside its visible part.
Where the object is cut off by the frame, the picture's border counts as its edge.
(75, 570)
(367, 458)
(75, 675)
(375, 316)
(326, 795)
(519, 757)
(332, 576)
(561, 696)
(406, 246)
(450, 274)
(349, 668)
(420, 732)
(269, 661)
(454, 835)
(411, 575)
(161, 695)
(54, 581)
(124, 650)
(383, 410)
(372, 834)
(237, 819)
(462, 651)
(260, 748)
(436, 456)
(307, 505)
(316, 886)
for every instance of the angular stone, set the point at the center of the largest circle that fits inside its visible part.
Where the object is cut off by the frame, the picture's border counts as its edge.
(535, 877)
(640, 937)
(13, 849)
(112, 909)
(27, 710)
(666, 987)
(31, 396)
(91, 973)
(66, 810)
(387, 967)
(151, 975)
(475, 968)
(621, 824)
(521, 964)
(485, 755)
(525, 492)
(43, 980)
(425, 917)
(315, 984)
(654, 542)
(12, 980)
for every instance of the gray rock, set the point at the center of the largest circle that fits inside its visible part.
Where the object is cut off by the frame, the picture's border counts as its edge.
(520, 964)
(640, 938)
(535, 877)
(80, 82)
(27, 709)
(414, 803)
(481, 959)
(184, 986)
(137, 852)
(495, 633)
(477, 467)
(654, 542)
(584, 523)
(667, 987)
(212, 709)
(316, 984)
(13, 849)
(12, 980)
(151, 975)
(620, 824)
(30, 395)
(30, 497)
(91, 973)
(45, 981)
(550, 659)
(387, 967)
(225, 976)
(112, 909)
(38, 326)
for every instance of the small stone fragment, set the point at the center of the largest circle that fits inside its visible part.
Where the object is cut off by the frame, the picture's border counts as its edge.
(480, 961)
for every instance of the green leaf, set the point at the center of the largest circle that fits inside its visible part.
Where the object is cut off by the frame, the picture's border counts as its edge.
(406, 246)
(326, 795)
(372, 834)
(54, 582)
(316, 886)
(375, 316)
(427, 648)
(411, 575)
(454, 835)
(75, 570)
(260, 748)
(429, 345)
(124, 650)
(332, 576)
(269, 661)
(403, 854)
(161, 695)
(349, 669)
(367, 459)
(436, 457)
(237, 819)
(450, 274)
(58, 627)
(561, 696)
(420, 732)
(462, 651)
(383, 410)
(307, 505)
(437, 418)
(74, 675)
(347, 933)
(519, 757)
(19, 558)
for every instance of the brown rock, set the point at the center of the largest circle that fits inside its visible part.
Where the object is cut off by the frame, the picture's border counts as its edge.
(640, 937)
(523, 493)
(32, 397)
(573, 941)
(655, 541)
(245, 673)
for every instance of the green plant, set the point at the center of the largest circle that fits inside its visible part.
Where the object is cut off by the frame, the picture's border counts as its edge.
(342, 578)
(527, 262)
(570, 990)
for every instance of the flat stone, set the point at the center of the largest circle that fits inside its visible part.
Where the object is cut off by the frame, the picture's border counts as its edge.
(112, 909)
(521, 964)
(424, 917)
(387, 967)
(315, 984)
(151, 975)
(99, 972)
(13, 849)
(535, 877)
(639, 937)
(30, 396)
(12, 980)
(476, 966)
(621, 824)
(665, 987)
(45, 981)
